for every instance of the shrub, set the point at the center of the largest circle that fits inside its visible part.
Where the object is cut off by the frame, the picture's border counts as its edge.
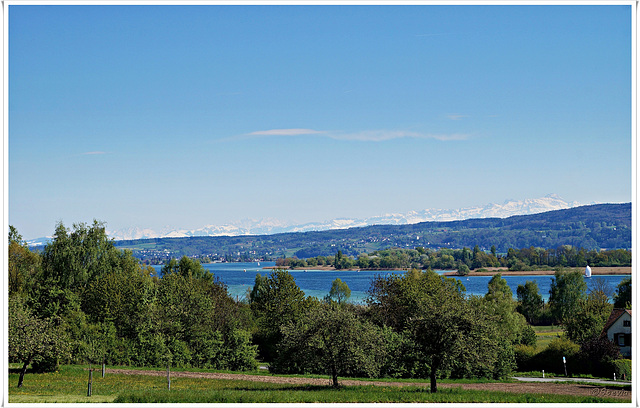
(45, 364)
(528, 336)
(525, 357)
(622, 366)
(550, 359)
(463, 270)
(598, 353)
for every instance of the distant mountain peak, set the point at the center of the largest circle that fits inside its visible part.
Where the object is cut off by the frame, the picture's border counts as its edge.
(267, 226)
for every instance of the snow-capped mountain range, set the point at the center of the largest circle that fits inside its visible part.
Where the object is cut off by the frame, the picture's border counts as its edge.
(272, 226)
(268, 226)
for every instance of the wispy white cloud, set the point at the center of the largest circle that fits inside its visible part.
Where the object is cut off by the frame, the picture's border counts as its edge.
(383, 135)
(363, 136)
(456, 116)
(285, 132)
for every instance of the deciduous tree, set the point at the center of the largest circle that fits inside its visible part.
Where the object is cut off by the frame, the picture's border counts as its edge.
(567, 290)
(340, 291)
(276, 300)
(31, 338)
(622, 297)
(23, 264)
(331, 339)
(434, 315)
(530, 302)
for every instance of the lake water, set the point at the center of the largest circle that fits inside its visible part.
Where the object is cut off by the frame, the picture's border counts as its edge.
(240, 277)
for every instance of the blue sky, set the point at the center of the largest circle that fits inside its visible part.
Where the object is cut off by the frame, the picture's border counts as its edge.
(184, 116)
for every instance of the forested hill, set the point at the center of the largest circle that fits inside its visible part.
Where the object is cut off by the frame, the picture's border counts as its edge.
(601, 226)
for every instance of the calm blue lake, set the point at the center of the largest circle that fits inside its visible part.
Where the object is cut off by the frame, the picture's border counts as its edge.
(239, 277)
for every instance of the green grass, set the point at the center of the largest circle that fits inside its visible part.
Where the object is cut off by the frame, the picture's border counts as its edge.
(278, 393)
(545, 335)
(69, 385)
(547, 329)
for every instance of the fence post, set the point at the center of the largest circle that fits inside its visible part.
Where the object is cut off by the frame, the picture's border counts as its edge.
(90, 381)
(168, 378)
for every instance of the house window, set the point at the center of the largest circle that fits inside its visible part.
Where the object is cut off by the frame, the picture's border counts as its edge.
(621, 339)
(626, 323)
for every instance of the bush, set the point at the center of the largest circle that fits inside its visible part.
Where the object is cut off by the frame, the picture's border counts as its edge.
(598, 353)
(528, 336)
(550, 359)
(622, 366)
(45, 364)
(463, 270)
(239, 353)
(525, 357)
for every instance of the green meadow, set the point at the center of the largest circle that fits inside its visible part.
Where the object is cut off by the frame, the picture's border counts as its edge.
(69, 385)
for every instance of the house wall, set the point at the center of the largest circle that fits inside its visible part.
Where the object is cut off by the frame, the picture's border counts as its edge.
(619, 327)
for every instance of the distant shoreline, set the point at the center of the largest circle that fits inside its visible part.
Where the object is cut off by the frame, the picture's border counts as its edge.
(595, 270)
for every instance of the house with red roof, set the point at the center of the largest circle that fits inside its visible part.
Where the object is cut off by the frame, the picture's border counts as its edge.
(618, 330)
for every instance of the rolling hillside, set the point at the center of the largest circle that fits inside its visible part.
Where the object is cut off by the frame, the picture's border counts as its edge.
(601, 226)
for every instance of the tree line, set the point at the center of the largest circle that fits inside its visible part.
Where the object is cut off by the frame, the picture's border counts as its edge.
(84, 301)
(524, 259)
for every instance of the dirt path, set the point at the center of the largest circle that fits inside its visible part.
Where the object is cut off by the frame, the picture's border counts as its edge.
(538, 388)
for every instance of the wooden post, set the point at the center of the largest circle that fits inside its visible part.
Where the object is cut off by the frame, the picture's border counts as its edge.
(90, 381)
(103, 364)
(168, 378)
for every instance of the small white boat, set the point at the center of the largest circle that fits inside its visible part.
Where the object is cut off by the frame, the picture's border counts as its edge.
(587, 272)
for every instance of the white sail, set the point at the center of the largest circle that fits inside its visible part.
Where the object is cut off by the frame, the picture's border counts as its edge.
(587, 272)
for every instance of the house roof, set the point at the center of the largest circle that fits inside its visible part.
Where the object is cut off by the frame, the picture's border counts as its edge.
(613, 317)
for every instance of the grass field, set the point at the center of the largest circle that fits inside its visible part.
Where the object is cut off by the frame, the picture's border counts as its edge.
(546, 334)
(69, 385)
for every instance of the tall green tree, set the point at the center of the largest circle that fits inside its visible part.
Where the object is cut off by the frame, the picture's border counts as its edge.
(276, 300)
(530, 302)
(447, 333)
(622, 297)
(498, 290)
(76, 258)
(499, 303)
(589, 320)
(187, 267)
(121, 296)
(331, 339)
(340, 291)
(24, 265)
(567, 290)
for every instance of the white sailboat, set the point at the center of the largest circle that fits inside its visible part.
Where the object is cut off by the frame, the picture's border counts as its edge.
(587, 272)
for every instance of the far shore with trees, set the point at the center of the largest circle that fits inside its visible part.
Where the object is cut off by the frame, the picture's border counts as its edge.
(533, 261)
